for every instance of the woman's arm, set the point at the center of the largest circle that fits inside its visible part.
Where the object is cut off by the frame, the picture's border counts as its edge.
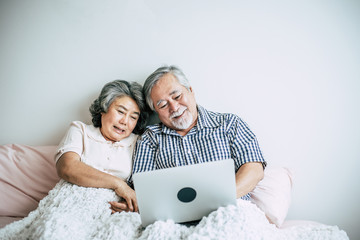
(70, 168)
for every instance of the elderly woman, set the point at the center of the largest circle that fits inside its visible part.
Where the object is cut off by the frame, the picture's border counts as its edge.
(100, 155)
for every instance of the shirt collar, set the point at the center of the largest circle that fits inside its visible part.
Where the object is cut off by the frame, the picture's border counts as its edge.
(95, 134)
(205, 119)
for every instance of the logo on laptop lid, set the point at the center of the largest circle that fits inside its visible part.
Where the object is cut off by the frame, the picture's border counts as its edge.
(186, 194)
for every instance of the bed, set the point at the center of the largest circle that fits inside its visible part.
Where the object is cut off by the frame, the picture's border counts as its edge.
(36, 204)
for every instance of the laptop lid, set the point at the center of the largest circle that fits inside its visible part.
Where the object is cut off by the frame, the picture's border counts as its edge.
(185, 193)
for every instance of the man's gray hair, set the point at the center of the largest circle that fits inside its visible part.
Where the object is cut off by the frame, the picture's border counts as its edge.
(155, 76)
(113, 90)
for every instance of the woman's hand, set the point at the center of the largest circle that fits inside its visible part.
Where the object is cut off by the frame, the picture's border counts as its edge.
(71, 169)
(128, 201)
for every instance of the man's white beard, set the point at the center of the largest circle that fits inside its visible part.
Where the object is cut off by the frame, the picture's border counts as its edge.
(184, 122)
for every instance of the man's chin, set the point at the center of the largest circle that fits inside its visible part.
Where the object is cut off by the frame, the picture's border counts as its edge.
(181, 125)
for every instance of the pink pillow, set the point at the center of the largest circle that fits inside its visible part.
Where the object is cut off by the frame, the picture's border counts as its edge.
(26, 176)
(273, 194)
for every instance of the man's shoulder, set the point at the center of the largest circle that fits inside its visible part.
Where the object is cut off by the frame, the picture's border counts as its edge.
(219, 115)
(151, 132)
(155, 128)
(221, 118)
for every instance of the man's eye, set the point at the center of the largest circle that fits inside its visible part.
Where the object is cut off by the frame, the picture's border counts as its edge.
(163, 106)
(177, 97)
(121, 112)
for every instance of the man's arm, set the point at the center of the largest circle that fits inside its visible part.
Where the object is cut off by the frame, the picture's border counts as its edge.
(247, 156)
(247, 177)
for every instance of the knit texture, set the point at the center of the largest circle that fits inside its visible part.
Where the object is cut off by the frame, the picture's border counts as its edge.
(73, 212)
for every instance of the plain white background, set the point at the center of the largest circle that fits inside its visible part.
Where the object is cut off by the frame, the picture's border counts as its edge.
(290, 69)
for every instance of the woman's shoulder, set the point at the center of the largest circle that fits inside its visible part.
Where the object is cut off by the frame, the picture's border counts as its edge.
(78, 124)
(85, 129)
(130, 140)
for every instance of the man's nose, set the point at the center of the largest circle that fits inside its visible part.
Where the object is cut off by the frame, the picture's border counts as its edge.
(174, 106)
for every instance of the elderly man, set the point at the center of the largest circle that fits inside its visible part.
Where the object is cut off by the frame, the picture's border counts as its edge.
(189, 134)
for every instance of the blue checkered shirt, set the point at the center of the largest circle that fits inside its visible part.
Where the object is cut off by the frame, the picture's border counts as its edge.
(216, 136)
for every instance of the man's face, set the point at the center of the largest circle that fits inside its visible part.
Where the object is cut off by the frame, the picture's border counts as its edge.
(175, 105)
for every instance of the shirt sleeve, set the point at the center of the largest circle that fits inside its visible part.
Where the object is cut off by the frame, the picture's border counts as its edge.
(243, 143)
(144, 155)
(72, 141)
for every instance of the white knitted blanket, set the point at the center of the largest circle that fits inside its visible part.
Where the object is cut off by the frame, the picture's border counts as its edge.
(73, 212)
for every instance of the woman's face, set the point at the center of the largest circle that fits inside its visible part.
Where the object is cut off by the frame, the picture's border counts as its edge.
(120, 119)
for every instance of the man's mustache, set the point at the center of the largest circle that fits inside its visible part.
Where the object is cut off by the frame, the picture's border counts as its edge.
(178, 112)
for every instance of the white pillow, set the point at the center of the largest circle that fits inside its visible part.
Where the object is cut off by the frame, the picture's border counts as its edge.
(273, 194)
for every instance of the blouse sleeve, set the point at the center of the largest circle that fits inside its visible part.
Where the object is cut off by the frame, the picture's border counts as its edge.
(72, 141)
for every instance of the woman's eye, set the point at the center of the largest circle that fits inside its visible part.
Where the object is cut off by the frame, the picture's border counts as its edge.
(121, 112)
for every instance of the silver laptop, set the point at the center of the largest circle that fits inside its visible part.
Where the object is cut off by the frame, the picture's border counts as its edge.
(185, 193)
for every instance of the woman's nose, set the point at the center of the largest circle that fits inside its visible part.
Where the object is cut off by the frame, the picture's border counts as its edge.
(124, 119)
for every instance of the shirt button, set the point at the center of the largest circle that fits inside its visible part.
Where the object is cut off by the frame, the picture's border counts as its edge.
(189, 152)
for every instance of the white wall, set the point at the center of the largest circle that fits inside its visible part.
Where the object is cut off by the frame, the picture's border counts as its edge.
(290, 69)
